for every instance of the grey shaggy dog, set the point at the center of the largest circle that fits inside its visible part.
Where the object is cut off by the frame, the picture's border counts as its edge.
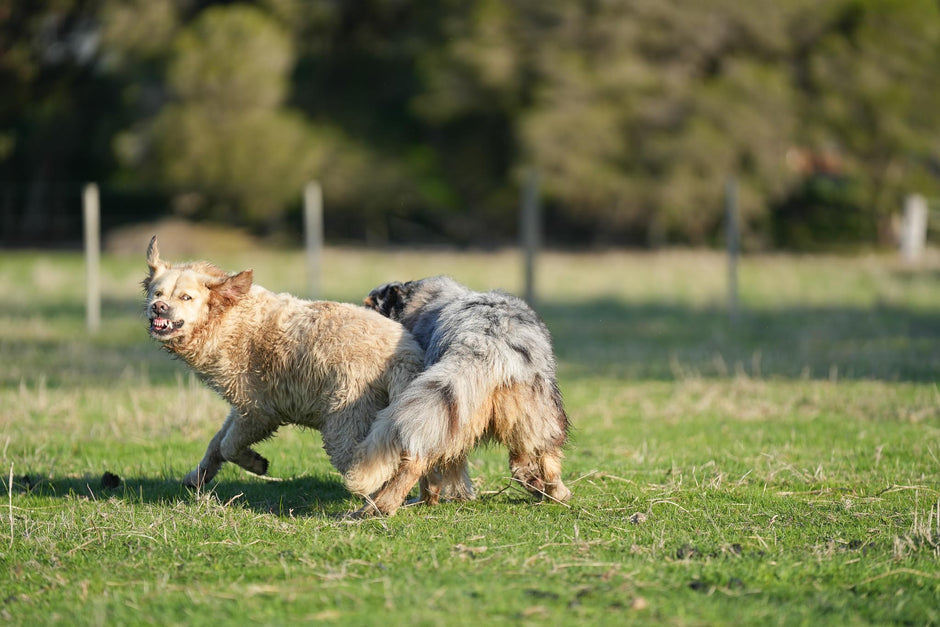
(489, 374)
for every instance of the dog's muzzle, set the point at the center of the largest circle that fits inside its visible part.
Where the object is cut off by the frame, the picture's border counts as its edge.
(160, 324)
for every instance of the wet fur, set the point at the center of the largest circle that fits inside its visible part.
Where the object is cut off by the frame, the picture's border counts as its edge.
(277, 359)
(489, 374)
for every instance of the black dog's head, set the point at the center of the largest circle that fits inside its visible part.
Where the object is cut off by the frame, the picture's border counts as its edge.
(402, 302)
(389, 299)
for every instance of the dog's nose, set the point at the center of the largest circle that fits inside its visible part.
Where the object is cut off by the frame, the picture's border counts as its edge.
(160, 307)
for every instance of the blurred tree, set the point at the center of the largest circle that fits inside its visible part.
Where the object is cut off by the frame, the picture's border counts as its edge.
(638, 112)
(224, 139)
(228, 144)
(53, 135)
(873, 92)
(357, 73)
(607, 97)
(420, 117)
(137, 38)
(136, 31)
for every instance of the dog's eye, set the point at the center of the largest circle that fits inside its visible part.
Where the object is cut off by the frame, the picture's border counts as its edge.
(185, 297)
(158, 293)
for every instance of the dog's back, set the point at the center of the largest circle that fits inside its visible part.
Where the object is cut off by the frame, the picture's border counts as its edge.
(279, 354)
(489, 363)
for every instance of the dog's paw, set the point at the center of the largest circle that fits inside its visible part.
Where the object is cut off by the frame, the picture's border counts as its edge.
(255, 463)
(366, 511)
(262, 465)
(375, 508)
(193, 480)
(459, 492)
(558, 492)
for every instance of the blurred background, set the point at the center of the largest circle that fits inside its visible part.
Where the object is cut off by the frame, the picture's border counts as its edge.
(420, 120)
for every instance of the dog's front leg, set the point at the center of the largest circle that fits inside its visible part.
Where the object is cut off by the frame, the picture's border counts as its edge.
(244, 431)
(212, 461)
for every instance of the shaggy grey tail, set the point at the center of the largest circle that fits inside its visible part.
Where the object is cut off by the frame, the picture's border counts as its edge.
(420, 424)
(377, 457)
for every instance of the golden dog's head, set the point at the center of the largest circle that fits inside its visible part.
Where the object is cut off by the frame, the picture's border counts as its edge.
(183, 297)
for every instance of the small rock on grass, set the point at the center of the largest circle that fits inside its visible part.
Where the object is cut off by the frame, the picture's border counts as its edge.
(110, 481)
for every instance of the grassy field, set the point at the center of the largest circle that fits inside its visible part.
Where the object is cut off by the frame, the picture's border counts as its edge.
(784, 469)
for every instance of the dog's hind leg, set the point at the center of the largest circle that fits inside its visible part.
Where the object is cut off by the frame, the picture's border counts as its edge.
(540, 474)
(525, 471)
(345, 428)
(535, 455)
(391, 495)
(535, 433)
(212, 461)
(457, 485)
(550, 467)
(450, 481)
(432, 484)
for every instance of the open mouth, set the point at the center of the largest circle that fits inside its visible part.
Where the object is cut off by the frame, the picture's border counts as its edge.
(164, 326)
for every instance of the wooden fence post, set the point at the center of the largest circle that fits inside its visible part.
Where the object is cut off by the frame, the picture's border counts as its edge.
(529, 223)
(313, 236)
(914, 227)
(91, 216)
(733, 237)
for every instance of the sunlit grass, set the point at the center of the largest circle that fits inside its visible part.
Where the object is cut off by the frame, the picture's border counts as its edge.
(781, 469)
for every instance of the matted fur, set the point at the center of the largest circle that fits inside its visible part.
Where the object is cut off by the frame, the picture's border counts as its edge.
(489, 373)
(277, 359)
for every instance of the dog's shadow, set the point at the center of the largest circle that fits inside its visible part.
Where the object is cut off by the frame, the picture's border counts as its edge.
(304, 496)
(296, 497)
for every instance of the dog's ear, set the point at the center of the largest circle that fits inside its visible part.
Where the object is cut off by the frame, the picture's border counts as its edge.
(154, 262)
(378, 299)
(387, 299)
(229, 290)
(153, 256)
(241, 282)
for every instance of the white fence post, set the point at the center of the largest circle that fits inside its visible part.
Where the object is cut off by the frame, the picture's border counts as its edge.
(529, 226)
(313, 235)
(914, 227)
(91, 215)
(733, 236)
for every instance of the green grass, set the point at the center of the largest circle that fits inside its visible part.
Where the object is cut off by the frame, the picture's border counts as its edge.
(784, 469)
